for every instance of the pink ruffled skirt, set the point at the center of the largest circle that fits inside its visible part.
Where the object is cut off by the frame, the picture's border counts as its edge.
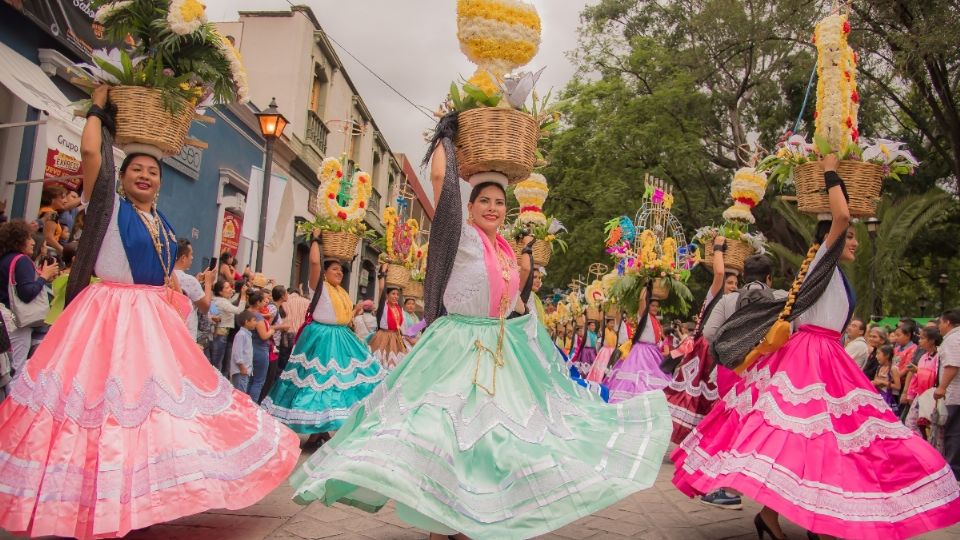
(598, 370)
(693, 391)
(805, 433)
(119, 422)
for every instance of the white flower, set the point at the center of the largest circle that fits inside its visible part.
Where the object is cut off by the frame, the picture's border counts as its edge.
(186, 16)
(108, 10)
(886, 152)
(555, 226)
(516, 88)
(111, 57)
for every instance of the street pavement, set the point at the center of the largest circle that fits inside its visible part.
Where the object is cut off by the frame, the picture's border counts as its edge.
(659, 513)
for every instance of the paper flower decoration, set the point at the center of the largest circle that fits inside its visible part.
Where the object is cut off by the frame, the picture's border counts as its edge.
(186, 16)
(747, 190)
(837, 96)
(498, 36)
(531, 194)
(331, 176)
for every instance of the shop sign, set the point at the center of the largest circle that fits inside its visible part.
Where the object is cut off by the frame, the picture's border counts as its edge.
(230, 236)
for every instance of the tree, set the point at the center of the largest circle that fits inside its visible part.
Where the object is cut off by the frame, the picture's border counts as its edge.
(901, 222)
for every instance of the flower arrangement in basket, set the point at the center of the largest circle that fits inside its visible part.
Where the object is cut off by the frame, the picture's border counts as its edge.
(418, 270)
(746, 190)
(396, 246)
(863, 165)
(531, 194)
(497, 131)
(652, 248)
(341, 207)
(176, 62)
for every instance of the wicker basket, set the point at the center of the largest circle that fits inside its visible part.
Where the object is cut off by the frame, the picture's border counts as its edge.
(613, 311)
(341, 246)
(497, 139)
(660, 290)
(541, 252)
(414, 289)
(594, 314)
(863, 182)
(733, 259)
(398, 276)
(142, 119)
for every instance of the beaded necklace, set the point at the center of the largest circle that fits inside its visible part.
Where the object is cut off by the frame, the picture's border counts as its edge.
(160, 236)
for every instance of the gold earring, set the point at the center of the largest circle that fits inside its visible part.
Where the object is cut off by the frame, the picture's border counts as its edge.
(121, 192)
(470, 219)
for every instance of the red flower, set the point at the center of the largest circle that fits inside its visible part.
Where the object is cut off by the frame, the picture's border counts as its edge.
(342, 215)
(856, 57)
(363, 179)
(855, 134)
(846, 27)
(814, 39)
(746, 202)
(331, 196)
(855, 97)
(339, 174)
(846, 75)
(816, 114)
(849, 122)
(362, 204)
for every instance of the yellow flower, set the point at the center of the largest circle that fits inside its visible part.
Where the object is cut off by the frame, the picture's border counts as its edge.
(186, 16)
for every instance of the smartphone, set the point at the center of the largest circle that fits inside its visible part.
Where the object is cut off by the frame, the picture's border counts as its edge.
(213, 263)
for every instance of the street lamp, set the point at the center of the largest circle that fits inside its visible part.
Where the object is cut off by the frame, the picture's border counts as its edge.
(923, 306)
(943, 280)
(872, 225)
(271, 127)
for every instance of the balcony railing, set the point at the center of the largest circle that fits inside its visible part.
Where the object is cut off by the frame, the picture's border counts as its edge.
(317, 132)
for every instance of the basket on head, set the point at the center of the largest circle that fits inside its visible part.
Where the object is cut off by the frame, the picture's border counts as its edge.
(594, 314)
(341, 246)
(493, 139)
(660, 290)
(733, 259)
(414, 289)
(542, 250)
(142, 119)
(398, 276)
(613, 311)
(863, 181)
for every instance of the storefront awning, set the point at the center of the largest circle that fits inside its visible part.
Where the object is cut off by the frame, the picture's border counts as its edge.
(28, 82)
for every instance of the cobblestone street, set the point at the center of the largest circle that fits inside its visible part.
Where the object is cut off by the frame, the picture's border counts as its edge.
(661, 512)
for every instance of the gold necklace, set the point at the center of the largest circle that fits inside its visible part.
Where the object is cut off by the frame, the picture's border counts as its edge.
(160, 238)
(497, 355)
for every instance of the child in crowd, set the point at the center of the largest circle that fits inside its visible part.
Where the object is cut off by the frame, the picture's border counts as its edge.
(241, 357)
(887, 380)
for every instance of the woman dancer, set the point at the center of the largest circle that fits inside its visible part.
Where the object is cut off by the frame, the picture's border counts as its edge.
(329, 370)
(804, 432)
(478, 431)
(119, 421)
(693, 391)
(387, 342)
(586, 350)
(640, 370)
(598, 371)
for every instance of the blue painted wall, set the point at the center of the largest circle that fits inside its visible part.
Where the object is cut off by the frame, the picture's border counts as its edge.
(192, 204)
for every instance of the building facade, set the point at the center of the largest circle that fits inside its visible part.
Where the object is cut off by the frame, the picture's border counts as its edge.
(328, 118)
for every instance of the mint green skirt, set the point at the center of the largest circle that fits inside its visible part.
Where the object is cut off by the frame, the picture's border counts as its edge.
(539, 453)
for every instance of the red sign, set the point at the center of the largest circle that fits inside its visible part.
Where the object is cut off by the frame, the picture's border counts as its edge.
(230, 235)
(62, 165)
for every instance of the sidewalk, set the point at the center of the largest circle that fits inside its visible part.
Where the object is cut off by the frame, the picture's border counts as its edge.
(660, 513)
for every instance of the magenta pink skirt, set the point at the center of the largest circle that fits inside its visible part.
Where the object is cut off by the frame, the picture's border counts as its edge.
(119, 422)
(805, 433)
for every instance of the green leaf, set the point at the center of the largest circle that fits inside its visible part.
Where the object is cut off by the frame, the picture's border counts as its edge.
(822, 145)
(455, 96)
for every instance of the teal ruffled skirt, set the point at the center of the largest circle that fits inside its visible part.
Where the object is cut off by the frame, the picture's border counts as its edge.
(328, 373)
(539, 453)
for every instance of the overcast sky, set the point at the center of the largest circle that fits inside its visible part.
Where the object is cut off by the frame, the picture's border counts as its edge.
(412, 44)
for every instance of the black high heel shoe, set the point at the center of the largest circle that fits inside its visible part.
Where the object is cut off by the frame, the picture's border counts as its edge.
(763, 528)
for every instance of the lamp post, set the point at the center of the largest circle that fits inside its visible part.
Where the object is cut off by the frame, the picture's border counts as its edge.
(923, 306)
(872, 225)
(943, 280)
(271, 127)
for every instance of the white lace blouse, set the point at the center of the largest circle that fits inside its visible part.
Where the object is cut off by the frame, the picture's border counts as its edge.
(468, 290)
